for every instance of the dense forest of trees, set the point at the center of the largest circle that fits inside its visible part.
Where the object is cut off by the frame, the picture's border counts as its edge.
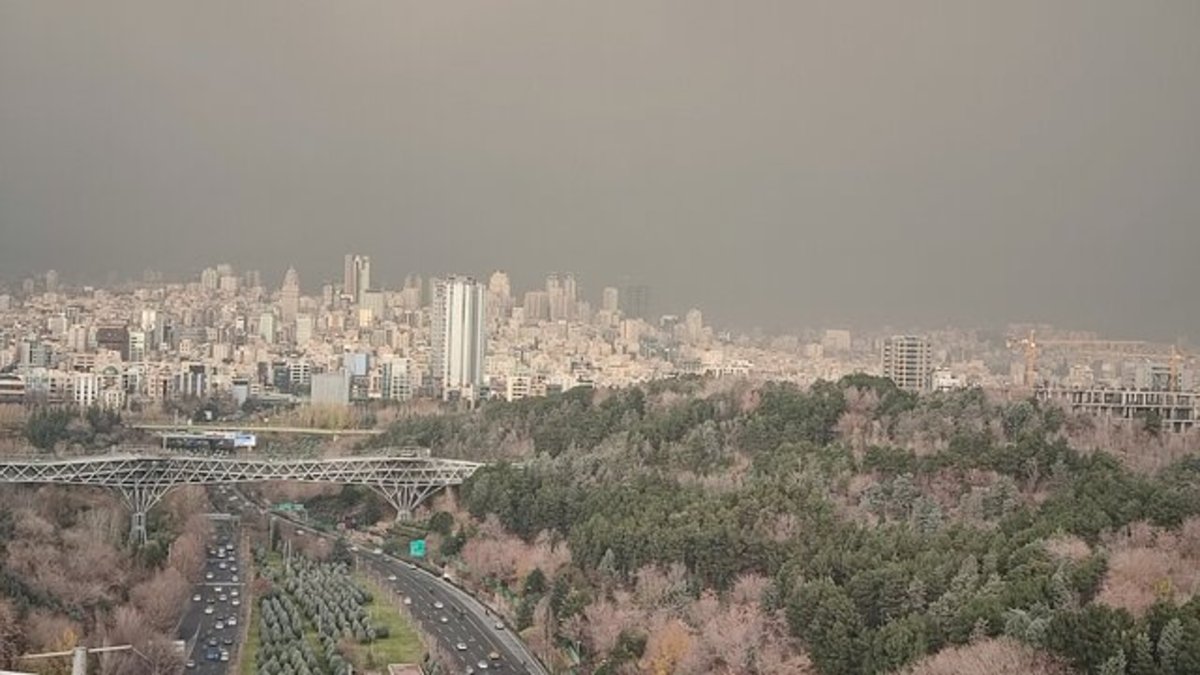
(68, 576)
(857, 527)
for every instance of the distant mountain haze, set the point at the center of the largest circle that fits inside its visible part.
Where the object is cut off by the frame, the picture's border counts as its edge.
(776, 163)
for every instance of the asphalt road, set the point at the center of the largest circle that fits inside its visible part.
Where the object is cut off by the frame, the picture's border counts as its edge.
(467, 621)
(202, 626)
(460, 621)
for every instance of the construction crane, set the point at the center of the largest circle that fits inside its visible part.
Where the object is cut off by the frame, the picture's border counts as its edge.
(1032, 346)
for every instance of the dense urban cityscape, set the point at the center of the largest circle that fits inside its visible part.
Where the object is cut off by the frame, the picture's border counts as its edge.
(634, 337)
(228, 333)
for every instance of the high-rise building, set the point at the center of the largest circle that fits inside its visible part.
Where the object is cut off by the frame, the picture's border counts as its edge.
(289, 296)
(500, 287)
(635, 301)
(561, 292)
(209, 279)
(252, 279)
(693, 323)
(396, 384)
(908, 361)
(137, 346)
(499, 300)
(356, 277)
(114, 338)
(537, 306)
(304, 329)
(51, 281)
(610, 299)
(457, 336)
(266, 327)
(836, 341)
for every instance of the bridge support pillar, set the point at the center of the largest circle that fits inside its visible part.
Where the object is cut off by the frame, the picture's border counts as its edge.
(405, 497)
(140, 500)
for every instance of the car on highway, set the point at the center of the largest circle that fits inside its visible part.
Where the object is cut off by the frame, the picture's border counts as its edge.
(190, 664)
(212, 642)
(482, 665)
(378, 551)
(196, 598)
(231, 621)
(444, 619)
(407, 601)
(462, 646)
(219, 625)
(224, 654)
(235, 602)
(208, 575)
(499, 625)
(438, 604)
(212, 654)
(208, 609)
(228, 641)
(494, 656)
(223, 598)
(391, 577)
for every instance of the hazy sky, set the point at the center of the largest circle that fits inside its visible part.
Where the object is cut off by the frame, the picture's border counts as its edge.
(776, 163)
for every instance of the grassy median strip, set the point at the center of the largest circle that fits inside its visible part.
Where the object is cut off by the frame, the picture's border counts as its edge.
(246, 664)
(402, 645)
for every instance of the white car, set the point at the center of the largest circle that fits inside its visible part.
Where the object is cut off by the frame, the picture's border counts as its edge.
(378, 551)
(482, 665)
(196, 598)
(408, 601)
(208, 575)
(443, 619)
(462, 646)
(219, 625)
(235, 602)
(391, 577)
(233, 593)
(208, 609)
(437, 604)
(231, 621)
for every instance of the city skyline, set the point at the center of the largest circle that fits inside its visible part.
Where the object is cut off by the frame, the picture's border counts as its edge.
(592, 291)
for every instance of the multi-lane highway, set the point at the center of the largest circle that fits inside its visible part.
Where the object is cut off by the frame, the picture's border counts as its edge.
(459, 621)
(466, 631)
(207, 624)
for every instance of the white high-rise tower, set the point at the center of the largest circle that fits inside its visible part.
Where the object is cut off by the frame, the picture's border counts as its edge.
(457, 336)
(356, 277)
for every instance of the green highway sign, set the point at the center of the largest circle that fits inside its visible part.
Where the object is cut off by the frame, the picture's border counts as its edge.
(416, 548)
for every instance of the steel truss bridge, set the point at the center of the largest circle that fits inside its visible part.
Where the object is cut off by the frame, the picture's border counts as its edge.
(144, 479)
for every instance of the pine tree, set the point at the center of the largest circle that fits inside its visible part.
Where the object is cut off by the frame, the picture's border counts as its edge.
(1170, 641)
(1142, 662)
(1115, 665)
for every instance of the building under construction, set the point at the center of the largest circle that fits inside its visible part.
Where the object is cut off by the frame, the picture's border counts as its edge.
(1176, 410)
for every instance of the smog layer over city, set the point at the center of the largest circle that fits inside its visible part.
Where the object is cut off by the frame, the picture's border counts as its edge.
(599, 337)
